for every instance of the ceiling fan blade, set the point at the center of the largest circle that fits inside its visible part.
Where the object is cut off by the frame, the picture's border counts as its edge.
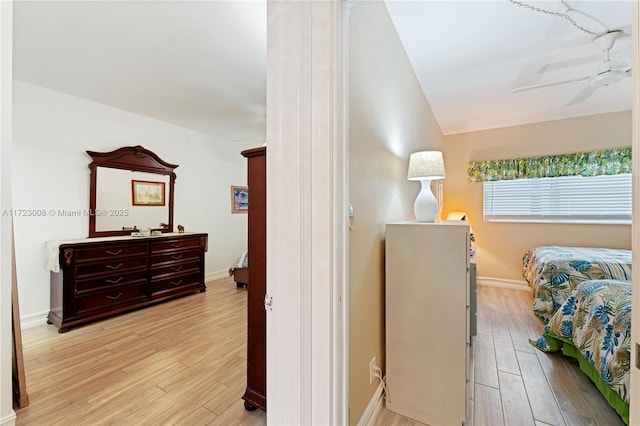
(531, 72)
(582, 95)
(570, 63)
(557, 83)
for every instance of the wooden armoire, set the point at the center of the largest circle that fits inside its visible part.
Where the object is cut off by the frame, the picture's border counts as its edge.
(256, 394)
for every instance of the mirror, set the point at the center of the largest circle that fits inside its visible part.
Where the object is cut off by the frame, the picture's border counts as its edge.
(131, 189)
(115, 199)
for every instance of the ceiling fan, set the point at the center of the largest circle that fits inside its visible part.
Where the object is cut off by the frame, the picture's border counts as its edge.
(610, 71)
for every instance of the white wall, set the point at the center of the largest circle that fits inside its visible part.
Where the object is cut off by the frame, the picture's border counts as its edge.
(389, 118)
(53, 130)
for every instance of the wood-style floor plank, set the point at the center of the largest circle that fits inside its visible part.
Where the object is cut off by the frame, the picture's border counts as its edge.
(506, 359)
(181, 362)
(487, 406)
(486, 371)
(515, 405)
(541, 398)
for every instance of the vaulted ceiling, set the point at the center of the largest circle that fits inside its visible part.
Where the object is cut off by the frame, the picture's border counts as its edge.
(470, 55)
(202, 64)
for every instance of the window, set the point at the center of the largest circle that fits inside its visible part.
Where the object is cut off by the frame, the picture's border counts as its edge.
(571, 199)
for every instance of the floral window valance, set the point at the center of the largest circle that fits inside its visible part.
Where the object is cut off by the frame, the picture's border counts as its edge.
(594, 163)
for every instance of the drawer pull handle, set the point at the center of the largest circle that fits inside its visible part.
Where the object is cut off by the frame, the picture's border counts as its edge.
(114, 267)
(176, 245)
(114, 281)
(114, 253)
(114, 297)
(176, 283)
(178, 269)
(177, 257)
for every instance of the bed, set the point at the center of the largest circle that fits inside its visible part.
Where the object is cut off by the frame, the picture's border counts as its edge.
(593, 325)
(554, 271)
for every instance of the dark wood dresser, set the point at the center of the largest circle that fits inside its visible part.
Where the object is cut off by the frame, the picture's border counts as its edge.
(100, 277)
(256, 394)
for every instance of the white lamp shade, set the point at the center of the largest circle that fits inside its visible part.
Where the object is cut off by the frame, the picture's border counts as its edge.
(426, 164)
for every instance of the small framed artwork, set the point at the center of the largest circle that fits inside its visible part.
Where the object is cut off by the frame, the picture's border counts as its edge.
(147, 193)
(239, 199)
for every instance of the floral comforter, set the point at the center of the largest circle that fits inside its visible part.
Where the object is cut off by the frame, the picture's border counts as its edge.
(554, 271)
(596, 320)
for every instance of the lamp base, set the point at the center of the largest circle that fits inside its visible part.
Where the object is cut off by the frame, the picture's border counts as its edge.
(426, 205)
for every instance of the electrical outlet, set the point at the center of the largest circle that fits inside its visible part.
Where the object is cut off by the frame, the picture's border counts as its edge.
(372, 365)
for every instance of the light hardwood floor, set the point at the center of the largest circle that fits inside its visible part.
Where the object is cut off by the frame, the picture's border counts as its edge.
(184, 362)
(515, 384)
(181, 362)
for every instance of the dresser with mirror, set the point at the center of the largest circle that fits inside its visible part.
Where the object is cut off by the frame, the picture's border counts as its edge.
(132, 258)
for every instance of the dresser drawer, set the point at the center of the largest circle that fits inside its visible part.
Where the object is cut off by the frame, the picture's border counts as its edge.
(177, 244)
(112, 266)
(176, 282)
(174, 257)
(110, 299)
(109, 252)
(192, 265)
(111, 281)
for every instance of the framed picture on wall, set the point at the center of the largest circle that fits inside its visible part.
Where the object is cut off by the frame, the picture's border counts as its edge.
(239, 199)
(147, 193)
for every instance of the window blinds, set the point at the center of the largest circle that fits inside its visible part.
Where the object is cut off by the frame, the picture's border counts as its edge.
(572, 199)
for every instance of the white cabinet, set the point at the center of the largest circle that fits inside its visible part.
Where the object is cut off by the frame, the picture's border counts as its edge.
(427, 298)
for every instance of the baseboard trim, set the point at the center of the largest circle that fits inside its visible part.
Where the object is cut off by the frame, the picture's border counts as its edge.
(217, 275)
(373, 409)
(33, 320)
(501, 282)
(9, 420)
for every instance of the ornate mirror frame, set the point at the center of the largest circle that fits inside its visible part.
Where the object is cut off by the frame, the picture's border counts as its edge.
(134, 158)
